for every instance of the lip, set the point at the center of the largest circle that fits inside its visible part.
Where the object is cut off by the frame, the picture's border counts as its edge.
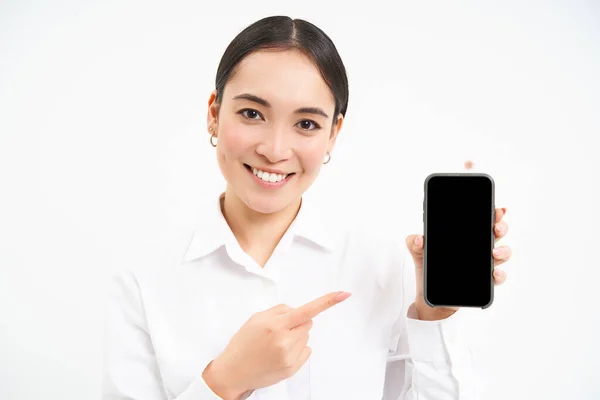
(271, 171)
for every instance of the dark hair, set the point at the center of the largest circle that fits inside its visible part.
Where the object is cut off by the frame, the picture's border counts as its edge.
(284, 33)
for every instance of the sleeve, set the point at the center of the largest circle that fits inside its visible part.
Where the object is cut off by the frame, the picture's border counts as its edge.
(428, 360)
(130, 370)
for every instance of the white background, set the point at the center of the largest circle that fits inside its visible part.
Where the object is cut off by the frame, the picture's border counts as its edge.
(105, 160)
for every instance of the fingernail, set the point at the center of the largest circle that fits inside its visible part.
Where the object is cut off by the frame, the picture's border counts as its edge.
(342, 296)
(497, 252)
(503, 210)
(418, 240)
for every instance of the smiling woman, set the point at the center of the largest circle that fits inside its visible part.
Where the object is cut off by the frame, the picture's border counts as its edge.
(280, 98)
(233, 321)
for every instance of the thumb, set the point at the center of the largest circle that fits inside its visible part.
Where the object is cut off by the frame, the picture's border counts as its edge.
(414, 243)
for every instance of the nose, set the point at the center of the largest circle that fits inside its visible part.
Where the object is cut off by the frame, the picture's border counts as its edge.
(276, 146)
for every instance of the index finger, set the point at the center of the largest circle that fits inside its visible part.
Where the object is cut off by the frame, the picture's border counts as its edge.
(311, 309)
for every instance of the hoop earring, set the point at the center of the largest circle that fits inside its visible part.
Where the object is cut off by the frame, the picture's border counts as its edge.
(213, 143)
(328, 158)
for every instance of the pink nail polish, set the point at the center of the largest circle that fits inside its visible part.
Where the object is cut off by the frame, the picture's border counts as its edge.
(342, 296)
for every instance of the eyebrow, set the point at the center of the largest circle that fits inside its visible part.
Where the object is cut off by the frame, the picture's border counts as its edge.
(265, 103)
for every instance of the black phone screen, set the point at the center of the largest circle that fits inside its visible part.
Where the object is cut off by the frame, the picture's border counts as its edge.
(459, 239)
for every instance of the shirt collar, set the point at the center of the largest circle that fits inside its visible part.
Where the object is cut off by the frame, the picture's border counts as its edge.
(212, 231)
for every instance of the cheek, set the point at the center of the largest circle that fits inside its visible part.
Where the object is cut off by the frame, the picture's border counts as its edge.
(233, 141)
(311, 155)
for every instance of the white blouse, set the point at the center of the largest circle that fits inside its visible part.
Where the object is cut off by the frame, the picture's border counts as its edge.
(164, 325)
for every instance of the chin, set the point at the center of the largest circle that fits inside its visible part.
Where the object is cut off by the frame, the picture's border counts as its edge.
(266, 204)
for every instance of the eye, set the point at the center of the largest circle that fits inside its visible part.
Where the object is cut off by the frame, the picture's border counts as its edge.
(307, 123)
(249, 113)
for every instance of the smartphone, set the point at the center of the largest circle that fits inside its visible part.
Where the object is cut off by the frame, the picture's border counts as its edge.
(458, 217)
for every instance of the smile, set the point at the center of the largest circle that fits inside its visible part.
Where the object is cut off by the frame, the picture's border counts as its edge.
(269, 178)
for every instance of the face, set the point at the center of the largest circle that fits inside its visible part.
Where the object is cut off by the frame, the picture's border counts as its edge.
(274, 128)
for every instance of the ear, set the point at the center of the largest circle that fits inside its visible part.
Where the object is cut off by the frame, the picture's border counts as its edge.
(335, 130)
(213, 112)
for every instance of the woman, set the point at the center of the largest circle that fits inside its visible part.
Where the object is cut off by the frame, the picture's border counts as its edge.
(260, 307)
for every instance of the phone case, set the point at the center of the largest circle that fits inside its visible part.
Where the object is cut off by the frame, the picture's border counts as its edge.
(473, 174)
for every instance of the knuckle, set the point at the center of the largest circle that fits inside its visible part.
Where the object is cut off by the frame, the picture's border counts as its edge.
(281, 346)
(281, 308)
(271, 325)
(256, 316)
(257, 319)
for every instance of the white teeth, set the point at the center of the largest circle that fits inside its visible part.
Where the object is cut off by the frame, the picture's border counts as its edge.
(268, 177)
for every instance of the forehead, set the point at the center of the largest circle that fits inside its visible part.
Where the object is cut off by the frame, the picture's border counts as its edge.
(284, 78)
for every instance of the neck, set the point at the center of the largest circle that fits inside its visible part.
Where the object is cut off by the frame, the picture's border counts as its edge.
(255, 230)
